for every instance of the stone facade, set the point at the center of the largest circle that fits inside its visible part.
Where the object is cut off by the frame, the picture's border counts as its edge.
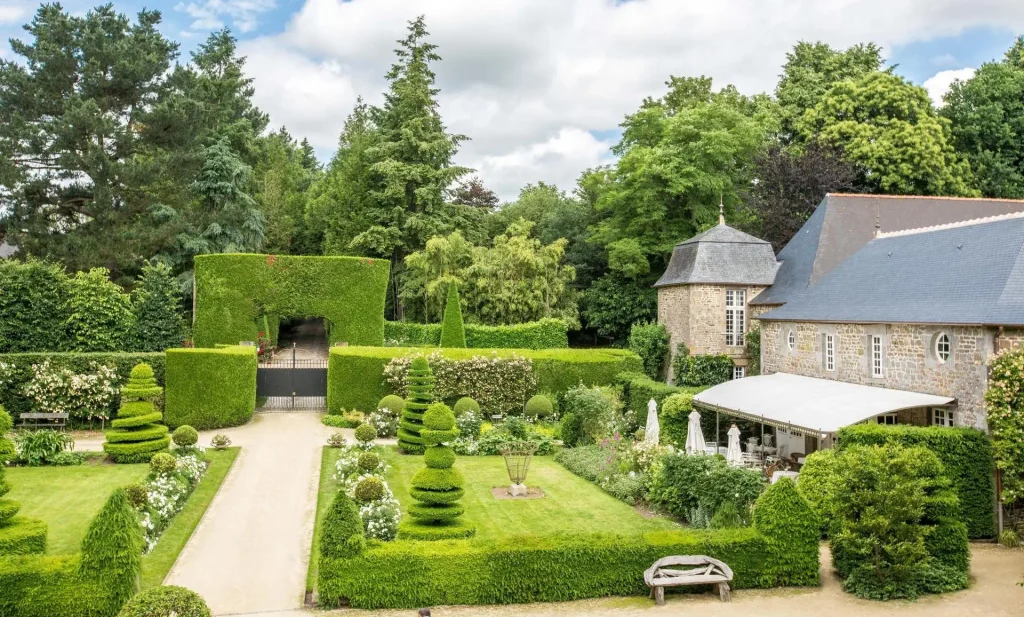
(695, 315)
(909, 359)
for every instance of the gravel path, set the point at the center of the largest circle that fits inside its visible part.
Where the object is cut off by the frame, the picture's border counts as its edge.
(251, 550)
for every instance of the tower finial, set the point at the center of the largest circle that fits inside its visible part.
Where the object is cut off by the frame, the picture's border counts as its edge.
(721, 210)
(878, 221)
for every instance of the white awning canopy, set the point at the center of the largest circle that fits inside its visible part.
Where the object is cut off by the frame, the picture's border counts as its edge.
(808, 403)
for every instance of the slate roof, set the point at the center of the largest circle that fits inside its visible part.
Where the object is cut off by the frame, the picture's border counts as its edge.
(721, 255)
(842, 224)
(966, 273)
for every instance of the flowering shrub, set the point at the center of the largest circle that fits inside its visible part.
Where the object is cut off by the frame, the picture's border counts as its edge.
(380, 516)
(385, 421)
(84, 396)
(501, 385)
(469, 424)
(166, 494)
(1004, 400)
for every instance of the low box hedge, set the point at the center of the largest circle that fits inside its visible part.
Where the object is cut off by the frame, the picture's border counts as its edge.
(210, 388)
(19, 371)
(407, 574)
(966, 454)
(355, 375)
(23, 536)
(544, 334)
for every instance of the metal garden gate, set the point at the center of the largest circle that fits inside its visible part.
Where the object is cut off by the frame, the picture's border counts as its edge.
(288, 382)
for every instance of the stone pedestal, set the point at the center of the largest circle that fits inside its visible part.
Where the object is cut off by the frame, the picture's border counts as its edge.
(517, 490)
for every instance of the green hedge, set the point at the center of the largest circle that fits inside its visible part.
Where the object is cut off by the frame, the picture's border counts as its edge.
(407, 574)
(23, 536)
(210, 388)
(638, 389)
(19, 371)
(544, 334)
(355, 375)
(234, 291)
(966, 454)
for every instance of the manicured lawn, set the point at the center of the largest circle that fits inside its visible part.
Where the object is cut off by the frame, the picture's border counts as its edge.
(323, 501)
(159, 561)
(571, 504)
(68, 498)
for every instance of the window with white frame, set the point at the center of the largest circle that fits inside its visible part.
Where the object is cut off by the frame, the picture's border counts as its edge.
(739, 372)
(942, 347)
(877, 368)
(887, 418)
(830, 352)
(791, 339)
(735, 316)
(942, 416)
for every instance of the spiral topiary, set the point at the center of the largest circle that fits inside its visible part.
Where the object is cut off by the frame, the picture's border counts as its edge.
(539, 406)
(421, 396)
(135, 436)
(465, 404)
(438, 487)
(392, 403)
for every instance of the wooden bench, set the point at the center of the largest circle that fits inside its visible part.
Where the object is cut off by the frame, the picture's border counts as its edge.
(703, 570)
(44, 420)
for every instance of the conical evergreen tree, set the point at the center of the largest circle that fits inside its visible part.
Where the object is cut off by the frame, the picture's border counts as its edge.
(8, 508)
(438, 487)
(136, 436)
(453, 332)
(420, 396)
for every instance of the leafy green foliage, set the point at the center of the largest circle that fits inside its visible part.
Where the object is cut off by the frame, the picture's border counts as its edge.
(33, 307)
(210, 388)
(453, 334)
(752, 349)
(232, 291)
(130, 442)
(966, 455)
(283, 176)
(790, 527)
(638, 389)
(43, 446)
(1003, 402)
(649, 340)
(156, 304)
(539, 406)
(100, 313)
(700, 371)
(185, 436)
(614, 303)
(166, 601)
(342, 533)
(590, 410)
(548, 333)
(818, 486)
(112, 548)
(682, 484)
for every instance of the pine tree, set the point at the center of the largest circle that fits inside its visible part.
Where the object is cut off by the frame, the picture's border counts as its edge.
(453, 333)
(158, 321)
(136, 436)
(438, 487)
(419, 399)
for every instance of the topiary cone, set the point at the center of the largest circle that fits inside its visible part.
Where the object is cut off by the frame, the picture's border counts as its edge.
(420, 397)
(453, 332)
(135, 435)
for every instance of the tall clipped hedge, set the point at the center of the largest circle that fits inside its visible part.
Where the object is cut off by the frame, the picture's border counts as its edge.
(210, 388)
(233, 292)
(564, 567)
(93, 583)
(33, 306)
(966, 455)
(18, 371)
(548, 333)
(355, 375)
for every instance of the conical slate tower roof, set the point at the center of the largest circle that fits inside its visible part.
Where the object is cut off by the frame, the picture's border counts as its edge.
(721, 255)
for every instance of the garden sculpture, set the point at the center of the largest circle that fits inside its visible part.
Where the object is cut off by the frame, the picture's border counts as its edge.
(517, 455)
(653, 429)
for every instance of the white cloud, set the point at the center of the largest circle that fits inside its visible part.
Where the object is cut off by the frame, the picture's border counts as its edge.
(212, 14)
(528, 80)
(938, 84)
(12, 13)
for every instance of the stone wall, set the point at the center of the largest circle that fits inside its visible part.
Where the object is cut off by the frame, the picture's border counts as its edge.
(909, 359)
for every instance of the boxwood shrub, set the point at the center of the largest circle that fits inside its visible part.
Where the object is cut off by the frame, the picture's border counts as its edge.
(210, 388)
(563, 567)
(23, 536)
(355, 375)
(235, 291)
(966, 455)
(18, 371)
(547, 333)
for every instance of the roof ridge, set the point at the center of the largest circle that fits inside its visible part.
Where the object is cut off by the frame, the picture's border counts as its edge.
(966, 223)
(937, 197)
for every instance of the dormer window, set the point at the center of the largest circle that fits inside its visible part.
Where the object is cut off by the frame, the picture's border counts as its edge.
(735, 316)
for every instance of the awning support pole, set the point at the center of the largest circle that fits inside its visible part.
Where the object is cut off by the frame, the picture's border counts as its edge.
(717, 431)
(763, 458)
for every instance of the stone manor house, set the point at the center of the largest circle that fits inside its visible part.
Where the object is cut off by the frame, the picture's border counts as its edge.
(880, 308)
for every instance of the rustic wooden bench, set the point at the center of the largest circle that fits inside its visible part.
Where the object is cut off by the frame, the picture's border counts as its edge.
(703, 570)
(44, 420)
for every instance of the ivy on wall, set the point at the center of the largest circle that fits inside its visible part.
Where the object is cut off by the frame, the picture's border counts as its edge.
(1004, 403)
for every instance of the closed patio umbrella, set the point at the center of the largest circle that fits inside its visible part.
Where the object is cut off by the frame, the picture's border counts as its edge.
(734, 454)
(653, 430)
(694, 438)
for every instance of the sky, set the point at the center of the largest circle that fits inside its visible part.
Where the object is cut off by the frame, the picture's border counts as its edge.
(540, 86)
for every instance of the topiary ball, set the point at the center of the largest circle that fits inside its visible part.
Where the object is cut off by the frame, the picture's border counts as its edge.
(369, 489)
(185, 436)
(539, 406)
(137, 494)
(439, 417)
(368, 461)
(366, 433)
(165, 601)
(163, 462)
(392, 403)
(465, 404)
(419, 363)
(141, 372)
